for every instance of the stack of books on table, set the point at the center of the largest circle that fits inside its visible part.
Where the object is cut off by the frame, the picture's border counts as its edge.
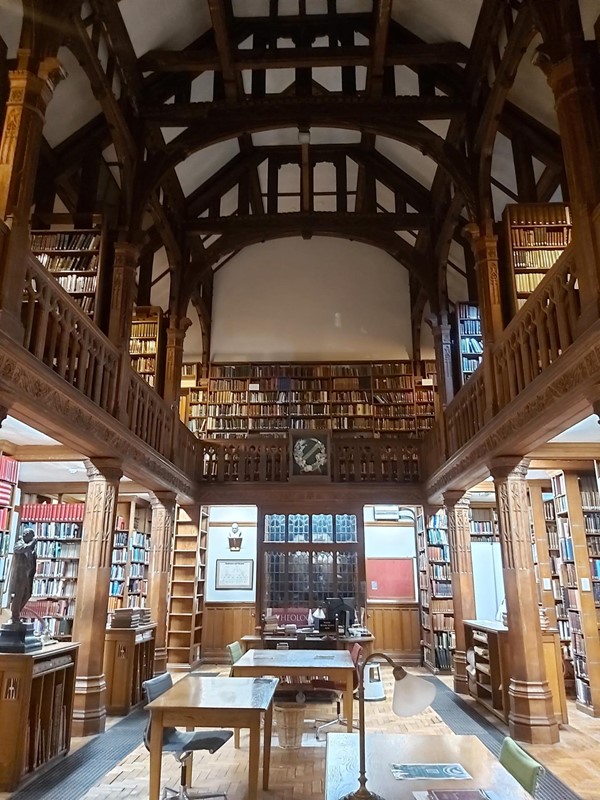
(125, 618)
(144, 616)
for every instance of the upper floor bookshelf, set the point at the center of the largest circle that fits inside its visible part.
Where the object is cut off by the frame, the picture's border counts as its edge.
(536, 235)
(74, 256)
(369, 398)
(146, 345)
(468, 339)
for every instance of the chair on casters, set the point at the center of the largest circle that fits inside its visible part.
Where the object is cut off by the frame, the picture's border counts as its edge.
(182, 745)
(339, 688)
(523, 767)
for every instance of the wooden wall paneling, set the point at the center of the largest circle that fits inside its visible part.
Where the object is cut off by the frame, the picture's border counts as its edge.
(225, 623)
(396, 629)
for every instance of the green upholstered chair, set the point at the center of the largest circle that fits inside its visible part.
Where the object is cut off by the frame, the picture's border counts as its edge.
(236, 651)
(525, 769)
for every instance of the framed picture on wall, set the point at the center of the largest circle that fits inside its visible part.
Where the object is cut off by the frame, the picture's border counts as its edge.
(234, 573)
(310, 455)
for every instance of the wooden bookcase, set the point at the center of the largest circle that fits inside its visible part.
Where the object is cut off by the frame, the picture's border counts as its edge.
(58, 528)
(468, 339)
(484, 523)
(435, 591)
(147, 344)
(128, 662)
(370, 398)
(535, 235)
(487, 665)
(73, 256)
(577, 504)
(130, 555)
(186, 598)
(36, 706)
(9, 476)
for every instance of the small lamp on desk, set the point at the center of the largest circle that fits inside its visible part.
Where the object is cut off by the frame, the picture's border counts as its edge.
(411, 696)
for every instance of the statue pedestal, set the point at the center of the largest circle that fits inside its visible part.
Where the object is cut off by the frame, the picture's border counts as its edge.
(17, 637)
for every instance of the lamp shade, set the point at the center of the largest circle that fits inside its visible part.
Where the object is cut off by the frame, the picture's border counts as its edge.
(412, 695)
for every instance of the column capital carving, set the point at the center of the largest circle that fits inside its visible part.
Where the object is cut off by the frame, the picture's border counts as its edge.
(108, 469)
(176, 333)
(164, 499)
(126, 255)
(503, 467)
(455, 497)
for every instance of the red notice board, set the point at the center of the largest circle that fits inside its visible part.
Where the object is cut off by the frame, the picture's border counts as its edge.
(390, 578)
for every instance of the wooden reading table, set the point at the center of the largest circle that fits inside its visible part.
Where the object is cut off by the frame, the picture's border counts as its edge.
(382, 749)
(199, 702)
(337, 665)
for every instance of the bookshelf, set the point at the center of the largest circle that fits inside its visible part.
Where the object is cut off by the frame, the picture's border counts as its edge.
(468, 338)
(74, 257)
(577, 508)
(36, 705)
(147, 344)
(9, 476)
(488, 665)
(131, 555)
(484, 523)
(368, 398)
(58, 528)
(536, 235)
(186, 598)
(435, 591)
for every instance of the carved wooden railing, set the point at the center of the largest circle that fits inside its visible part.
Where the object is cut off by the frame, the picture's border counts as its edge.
(465, 415)
(58, 333)
(62, 336)
(352, 460)
(540, 333)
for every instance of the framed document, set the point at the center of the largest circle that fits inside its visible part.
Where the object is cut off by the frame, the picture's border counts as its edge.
(234, 573)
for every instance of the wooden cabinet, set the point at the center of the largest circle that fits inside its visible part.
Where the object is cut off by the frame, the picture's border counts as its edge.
(36, 706)
(128, 662)
(186, 598)
(147, 344)
(374, 398)
(74, 258)
(535, 235)
(487, 665)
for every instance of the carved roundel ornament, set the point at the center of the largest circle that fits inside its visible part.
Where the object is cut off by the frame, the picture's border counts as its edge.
(310, 455)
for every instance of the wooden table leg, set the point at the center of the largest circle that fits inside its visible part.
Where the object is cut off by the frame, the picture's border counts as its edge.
(267, 745)
(254, 757)
(236, 738)
(349, 701)
(156, 734)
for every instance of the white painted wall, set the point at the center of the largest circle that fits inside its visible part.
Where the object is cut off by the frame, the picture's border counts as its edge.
(318, 299)
(220, 519)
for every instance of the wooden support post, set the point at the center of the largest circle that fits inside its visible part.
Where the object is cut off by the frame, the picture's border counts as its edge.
(91, 609)
(163, 516)
(443, 357)
(463, 591)
(174, 359)
(123, 295)
(19, 155)
(531, 714)
(545, 594)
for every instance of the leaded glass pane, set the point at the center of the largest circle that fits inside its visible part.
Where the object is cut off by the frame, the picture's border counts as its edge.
(298, 580)
(345, 528)
(322, 528)
(323, 583)
(275, 528)
(298, 528)
(276, 579)
(347, 574)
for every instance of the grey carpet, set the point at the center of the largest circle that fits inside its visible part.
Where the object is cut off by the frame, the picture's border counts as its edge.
(461, 718)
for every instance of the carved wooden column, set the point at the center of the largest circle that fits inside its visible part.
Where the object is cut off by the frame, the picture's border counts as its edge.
(91, 608)
(174, 359)
(163, 516)
(443, 358)
(29, 96)
(485, 250)
(123, 294)
(3, 414)
(531, 715)
(463, 592)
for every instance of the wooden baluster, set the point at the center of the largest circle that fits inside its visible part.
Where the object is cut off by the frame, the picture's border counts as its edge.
(552, 331)
(564, 333)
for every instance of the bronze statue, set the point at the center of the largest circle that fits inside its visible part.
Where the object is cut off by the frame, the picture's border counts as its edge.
(22, 572)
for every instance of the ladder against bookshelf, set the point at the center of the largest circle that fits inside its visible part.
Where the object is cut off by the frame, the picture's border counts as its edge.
(186, 597)
(435, 591)
(58, 529)
(36, 706)
(468, 338)
(74, 257)
(577, 507)
(372, 398)
(146, 345)
(536, 235)
(9, 476)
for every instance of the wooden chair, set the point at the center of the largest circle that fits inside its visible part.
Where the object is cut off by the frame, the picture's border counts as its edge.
(182, 745)
(236, 651)
(339, 689)
(523, 767)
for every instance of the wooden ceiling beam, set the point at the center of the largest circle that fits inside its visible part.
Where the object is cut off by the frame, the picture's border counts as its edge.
(411, 55)
(319, 219)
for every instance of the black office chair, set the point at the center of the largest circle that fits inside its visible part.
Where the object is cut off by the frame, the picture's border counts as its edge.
(181, 744)
(338, 688)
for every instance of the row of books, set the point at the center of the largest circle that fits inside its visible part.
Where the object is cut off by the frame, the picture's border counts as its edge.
(470, 345)
(143, 329)
(54, 512)
(533, 237)
(53, 587)
(64, 263)
(57, 549)
(4, 518)
(470, 327)
(142, 347)
(56, 569)
(65, 240)
(9, 469)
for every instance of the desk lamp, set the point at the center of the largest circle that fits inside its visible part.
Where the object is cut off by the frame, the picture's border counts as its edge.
(411, 696)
